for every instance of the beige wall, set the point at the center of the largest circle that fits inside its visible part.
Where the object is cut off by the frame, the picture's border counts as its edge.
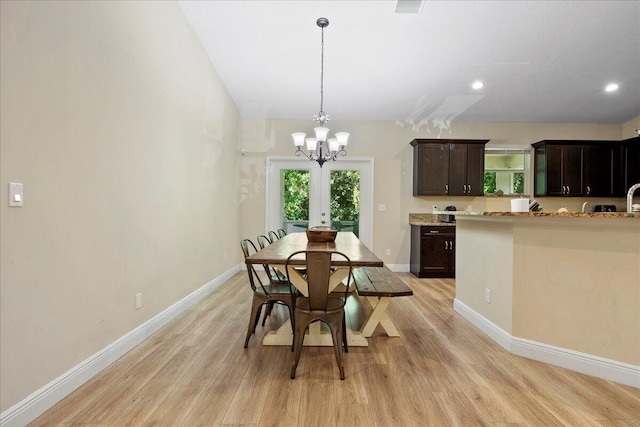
(127, 144)
(630, 128)
(388, 143)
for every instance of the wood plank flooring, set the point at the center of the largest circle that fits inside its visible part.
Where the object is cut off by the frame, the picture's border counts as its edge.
(441, 372)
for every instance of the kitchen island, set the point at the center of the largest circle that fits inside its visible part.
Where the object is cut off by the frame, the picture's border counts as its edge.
(563, 288)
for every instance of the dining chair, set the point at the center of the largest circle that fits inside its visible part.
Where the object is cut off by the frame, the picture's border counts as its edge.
(273, 236)
(281, 233)
(274, 275)
(320, 304)
(272, 293)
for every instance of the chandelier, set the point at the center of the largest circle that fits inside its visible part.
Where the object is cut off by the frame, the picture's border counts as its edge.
(321, 149)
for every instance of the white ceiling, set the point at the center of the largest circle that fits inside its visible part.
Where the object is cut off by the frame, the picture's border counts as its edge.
(541, 61)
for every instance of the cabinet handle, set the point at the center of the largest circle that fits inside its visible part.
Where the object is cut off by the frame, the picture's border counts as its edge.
(433, 231)
(451, 244)
(564, 190)
(464, 189)
(588, 190)
(446, 244)
(446, 188)
(469, 188)
(568, 189)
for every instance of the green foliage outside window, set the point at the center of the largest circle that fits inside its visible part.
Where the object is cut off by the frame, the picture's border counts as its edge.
(296, 195)
(518, 183)
(345, 195)
(489, 182)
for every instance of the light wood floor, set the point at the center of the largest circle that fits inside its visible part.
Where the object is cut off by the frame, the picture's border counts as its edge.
(441, 372)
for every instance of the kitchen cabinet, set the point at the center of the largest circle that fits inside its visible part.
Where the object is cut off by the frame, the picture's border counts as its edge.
(577, 168)
(631, 162)
(602, 175)
(448, 167)
(433, 252)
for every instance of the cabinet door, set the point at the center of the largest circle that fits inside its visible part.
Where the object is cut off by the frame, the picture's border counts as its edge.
(598, 170)
(572, 173)
(430, 169)
(457, 169)
(554, 170)
(631, 165)
(434, 256)
(475, 170)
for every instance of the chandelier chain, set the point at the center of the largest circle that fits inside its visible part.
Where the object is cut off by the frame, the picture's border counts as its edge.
(322, 72)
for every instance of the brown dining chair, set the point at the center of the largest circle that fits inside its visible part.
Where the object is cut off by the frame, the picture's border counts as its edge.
(320, 305)
(274, 275)
(272, 293)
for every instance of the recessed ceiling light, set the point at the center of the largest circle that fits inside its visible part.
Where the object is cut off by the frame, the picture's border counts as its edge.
(477, 85)
(611, 87)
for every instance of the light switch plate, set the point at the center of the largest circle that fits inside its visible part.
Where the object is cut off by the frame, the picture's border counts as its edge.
(382, 208)
(16, 198)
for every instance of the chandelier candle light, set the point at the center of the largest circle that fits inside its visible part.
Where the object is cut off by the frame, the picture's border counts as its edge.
(321, 149)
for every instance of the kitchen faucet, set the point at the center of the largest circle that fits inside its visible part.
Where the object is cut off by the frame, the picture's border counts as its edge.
(630, 196)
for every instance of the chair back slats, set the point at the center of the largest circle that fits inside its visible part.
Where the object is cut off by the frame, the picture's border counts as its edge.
(318, 269)
(247, 245)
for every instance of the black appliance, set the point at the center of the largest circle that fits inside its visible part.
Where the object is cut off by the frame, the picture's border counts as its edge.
(449, 218)
(605, 208)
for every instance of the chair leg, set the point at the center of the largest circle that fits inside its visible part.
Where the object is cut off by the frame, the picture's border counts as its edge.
(344, 333)
(267, 312)
(336, 336)
(293, 325)
(253, 320)
(298, 339)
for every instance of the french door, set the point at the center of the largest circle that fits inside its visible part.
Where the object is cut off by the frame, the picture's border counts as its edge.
(301, 194)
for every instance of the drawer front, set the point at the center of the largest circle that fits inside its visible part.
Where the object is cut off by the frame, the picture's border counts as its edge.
(428, 231)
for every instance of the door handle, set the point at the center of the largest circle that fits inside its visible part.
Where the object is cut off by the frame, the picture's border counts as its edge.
(446, 244)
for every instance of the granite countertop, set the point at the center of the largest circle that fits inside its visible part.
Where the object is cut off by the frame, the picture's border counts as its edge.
(610, 215)
(429, 219)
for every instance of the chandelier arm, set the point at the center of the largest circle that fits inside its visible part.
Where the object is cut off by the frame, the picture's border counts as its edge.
(299, 152)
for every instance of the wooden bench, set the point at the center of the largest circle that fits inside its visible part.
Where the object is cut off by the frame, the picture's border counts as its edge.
(378, 285)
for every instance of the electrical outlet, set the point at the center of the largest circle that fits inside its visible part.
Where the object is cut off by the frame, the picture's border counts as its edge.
(487, 295)
(138, 301)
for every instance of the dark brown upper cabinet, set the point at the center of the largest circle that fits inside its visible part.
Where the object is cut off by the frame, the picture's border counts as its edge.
(448, 167)
(577, 168)
(631, 163)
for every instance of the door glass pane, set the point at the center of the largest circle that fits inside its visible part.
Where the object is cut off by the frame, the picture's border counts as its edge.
(295, 199)
(345, 200)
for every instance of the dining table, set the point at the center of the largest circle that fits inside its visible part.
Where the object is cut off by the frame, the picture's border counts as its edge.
(276, 255)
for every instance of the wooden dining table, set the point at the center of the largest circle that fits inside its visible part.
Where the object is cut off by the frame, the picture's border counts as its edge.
(276, 255)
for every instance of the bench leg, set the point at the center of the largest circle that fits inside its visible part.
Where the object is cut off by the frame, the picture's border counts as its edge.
(379, 315)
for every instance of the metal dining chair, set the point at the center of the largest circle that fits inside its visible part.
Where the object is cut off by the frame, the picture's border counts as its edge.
(320, 304)
(272, 293)
(273, 236)
(281, 233)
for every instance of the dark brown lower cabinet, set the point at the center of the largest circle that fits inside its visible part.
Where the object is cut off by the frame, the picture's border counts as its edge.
(433, 252)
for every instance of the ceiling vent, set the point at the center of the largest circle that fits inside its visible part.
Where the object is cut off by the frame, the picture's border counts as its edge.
(409, 6)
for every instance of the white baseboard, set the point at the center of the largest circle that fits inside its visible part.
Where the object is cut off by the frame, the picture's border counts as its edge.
(596, 366)
(46, 397)
(398, 268)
